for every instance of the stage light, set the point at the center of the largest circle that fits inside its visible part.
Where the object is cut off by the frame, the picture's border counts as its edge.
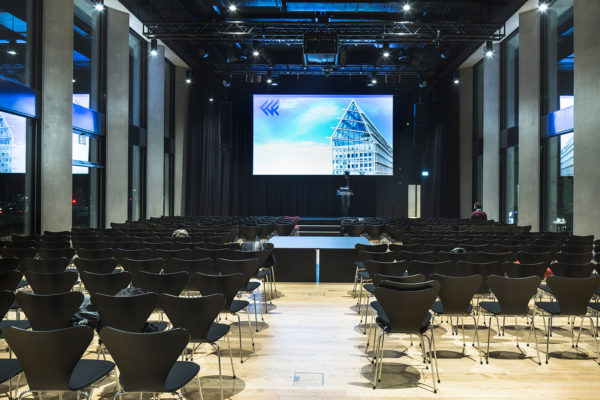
(74, 81)
(269, 81)
(455, 79)
(188, 76)
(386, 54)
(406, 7)
(211, 99)
(255, 53)
(543, 7)
(374, 81)
(232, 7)
(489, 49)
(424, 173)
(99, 7)
(153, 47)
(12, 48)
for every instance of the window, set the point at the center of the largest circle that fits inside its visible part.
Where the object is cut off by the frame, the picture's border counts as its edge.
(86, 55)
(478, 101)
(510, 81)
(136, 79)
(169, 162)
(87, 189)
(558, 183)
(559, 56)
(510, 185)
(16, 42)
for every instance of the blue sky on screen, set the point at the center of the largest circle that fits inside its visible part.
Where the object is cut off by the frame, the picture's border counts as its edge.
(296, 142)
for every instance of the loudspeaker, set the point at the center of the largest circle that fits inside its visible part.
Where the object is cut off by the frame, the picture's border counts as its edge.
(420, 126)
(225, 126)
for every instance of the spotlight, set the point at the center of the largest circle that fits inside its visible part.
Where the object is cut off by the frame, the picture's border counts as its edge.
(269, 81)
(406, 7)
(255, 53)
(153, 47)
(455, 79)
(188, 76)
(373, 81)
(232, 8)
(99, 7)
(423, 84)
(12, 48)
(386, 54)
(211, 99)
(424, 173)
(489, 49)
(74, 81)
(543, 7)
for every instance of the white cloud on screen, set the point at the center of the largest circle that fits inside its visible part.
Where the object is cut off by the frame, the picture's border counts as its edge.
(292, 158)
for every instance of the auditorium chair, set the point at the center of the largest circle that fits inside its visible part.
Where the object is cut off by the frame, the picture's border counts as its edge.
(48, 312)
(97, 266)
(53, 283)
(108, 283)
(154, 265)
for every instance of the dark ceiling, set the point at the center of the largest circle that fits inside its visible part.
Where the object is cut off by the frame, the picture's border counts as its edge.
(373, 38)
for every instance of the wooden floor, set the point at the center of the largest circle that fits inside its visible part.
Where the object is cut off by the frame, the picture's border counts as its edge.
(311, 347)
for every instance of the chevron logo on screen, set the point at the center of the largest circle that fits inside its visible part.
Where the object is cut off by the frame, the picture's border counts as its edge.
(270, 107)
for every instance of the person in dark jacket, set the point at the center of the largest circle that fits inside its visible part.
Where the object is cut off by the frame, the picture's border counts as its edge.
(478, 213)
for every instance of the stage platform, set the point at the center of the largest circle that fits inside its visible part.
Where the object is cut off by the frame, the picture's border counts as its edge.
(315, 258)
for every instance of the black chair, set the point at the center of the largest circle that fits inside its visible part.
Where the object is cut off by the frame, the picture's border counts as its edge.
(197, 316)
(571, 270)
(10, 280)
(9, 368)
(249, 232)
(484, 269)
(51, 359)
(45, 265)
(66, 252)
(7, 299)
(169, 283)
(427, 267)
(49, 312)
(354, 229)
(577, 248)
(404, 308)
(513, 270)
(27, 252)
(9, 264)
(22, 244)
(96, 266)
(95, 253)
(135, 254)
(200, 252)
(182, 254)
(89, 245)
(376, 248)
(513, 295)
(428, 256)
(147, 362)
(127, 313)
(54, 244)
(572, 297)
(154, 265)
(110, 284)
(59, 282)
(456, 295)
(374, 231)
(571, 258)
(202, 265)
(227, 285)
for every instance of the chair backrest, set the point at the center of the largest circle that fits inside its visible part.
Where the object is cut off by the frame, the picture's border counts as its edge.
(95, 253)
(514, 270)
(572, 270)
(184, 254)
(111, 283)
(67, 252)
(154, 265)
(394, 268)
(170, 283)
(136, 254)
(54, 244)
(227, 285)
(7, 299)
(22, 244)
(127, 313)
(45, 265)
(9, 264)
(48, 312)
(96, 266)
(59, 282)
(417, 256)
(406, 304)
(378, 278)
(49, 357)
(427, 268)
(202, 265)
(246, 267)
(9, 280)
(377, 248)
(200, 252)
(91, 245)
(196, 314)
(533, 258)
(27, 252)
(513, 294)
(573, 294)
(571, 258)
(457, 292)
(577, 248)
(144, 359)
(415, 248)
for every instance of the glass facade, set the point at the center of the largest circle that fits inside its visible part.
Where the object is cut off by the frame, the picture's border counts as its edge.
(86, 55)
(478, 101)
(510, 185)
(135, 184)
(510, 81)
(136, 62)
(558, 183)
(87, 187)
(169, 160)
(16, 41)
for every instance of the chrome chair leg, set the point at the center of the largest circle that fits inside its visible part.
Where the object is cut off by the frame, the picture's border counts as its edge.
(218, 349)
(250, 327)
(240, 334)
(230, 356)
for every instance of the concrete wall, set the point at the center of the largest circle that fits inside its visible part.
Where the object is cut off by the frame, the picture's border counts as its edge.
(117, 111)
(57, 115)
(181, 126)
(529, 119)
(586, 190)
(465, 150)
(491, 135)
(155, 145)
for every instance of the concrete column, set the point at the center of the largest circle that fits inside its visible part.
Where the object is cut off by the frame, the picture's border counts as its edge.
(529, 119)
(155, 145)
(57, 115)
(586, 181)
(181, 128)
(465, 149)
(491, 135)
(117, 110)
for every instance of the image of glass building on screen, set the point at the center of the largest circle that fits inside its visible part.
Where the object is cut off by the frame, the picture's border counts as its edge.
(323, 134)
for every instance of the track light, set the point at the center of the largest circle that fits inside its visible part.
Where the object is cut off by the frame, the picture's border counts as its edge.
(232, 8)
(12, 48)
(455, 79)
(543, 7)
(489, 49)
(269, 78)
(99, 6)
(188, 76)
(153, 47)
(406, 7)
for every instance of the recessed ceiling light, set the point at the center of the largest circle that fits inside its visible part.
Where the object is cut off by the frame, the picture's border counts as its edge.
(543, 7)
(386, 53)
(406, 7)
(99, 6)
(255, 53)
(233, 7)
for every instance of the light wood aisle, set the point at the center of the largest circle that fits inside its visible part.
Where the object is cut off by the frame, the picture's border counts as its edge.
(311, 348)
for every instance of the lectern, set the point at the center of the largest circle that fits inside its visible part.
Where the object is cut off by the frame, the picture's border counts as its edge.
(344, 192)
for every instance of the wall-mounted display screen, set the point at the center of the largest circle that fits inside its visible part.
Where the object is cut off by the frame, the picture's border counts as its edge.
(323, 134)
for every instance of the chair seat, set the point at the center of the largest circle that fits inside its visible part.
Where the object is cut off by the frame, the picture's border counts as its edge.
(22, 284)
(438, 308)
(238, 305)
(181, 373)
(359, 264)
(551, 307)
(595, 306)
(364, 275)
(546, 289)
(369, 287)
(23, 324)
(380, 312)
(158, 326)
(385, 325)
(493, 307)
(262, 273)
(9, 368)
(216, 332)
(252, 286)
(87, 372)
